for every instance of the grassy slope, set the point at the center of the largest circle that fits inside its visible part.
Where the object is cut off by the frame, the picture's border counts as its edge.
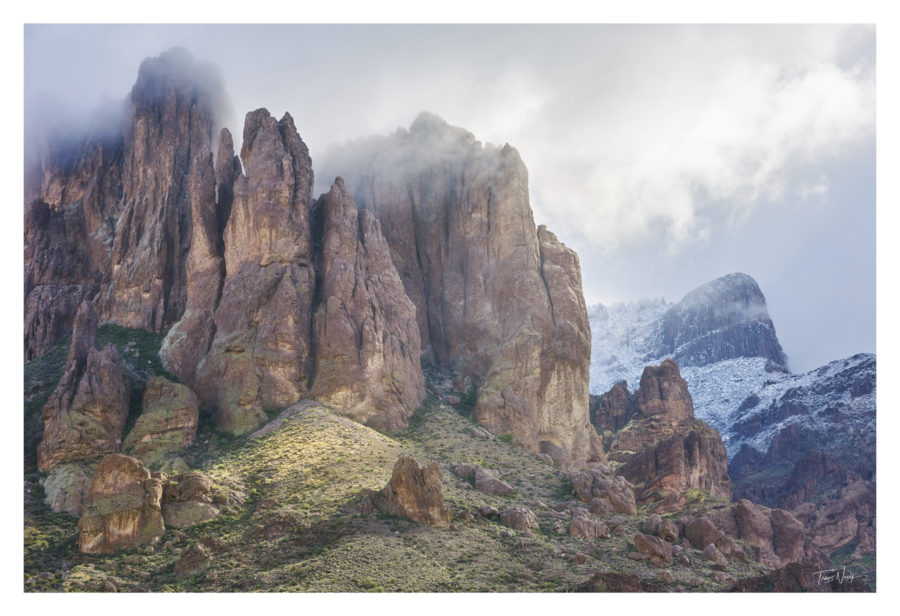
(317, 538)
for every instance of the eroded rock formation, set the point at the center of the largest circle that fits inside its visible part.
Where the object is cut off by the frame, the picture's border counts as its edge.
(416, 493)
(108, 214)
(779, 537)
(663, 450)
(366, 340)
(122, 510)
(498, 300)
(167, 423)
(85, 415)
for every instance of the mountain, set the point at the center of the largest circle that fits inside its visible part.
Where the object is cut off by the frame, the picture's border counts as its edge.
(267, 295)
(793, 440)
(231, 384)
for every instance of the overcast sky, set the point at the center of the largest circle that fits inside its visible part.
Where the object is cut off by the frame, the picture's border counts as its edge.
(665, 155)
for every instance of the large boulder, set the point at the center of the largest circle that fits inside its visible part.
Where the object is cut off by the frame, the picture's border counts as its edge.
(365, 335)
(86, 413)
(122, 509)
(497, 299)
(66, 486)
(592, 484)
(486, 482)
(189, 499)
(520, 518)
(584, 527)
(167, 423)
(701, 532)
(416, 493)
(658, 551)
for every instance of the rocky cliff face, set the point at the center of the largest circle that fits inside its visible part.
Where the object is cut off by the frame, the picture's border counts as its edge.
(721, 319)
(85, 415)
(260, 356)
(497, 299)
(795, 441)
(109, 218)
(663, 450)
(363, 307)
(159, 227)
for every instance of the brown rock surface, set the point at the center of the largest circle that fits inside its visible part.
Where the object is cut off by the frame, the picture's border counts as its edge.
(612, 410)
(583, 527)
(169, 126)
(366, 340)
(416, 493)
(713, 555)
(211, 194)
(497, 299)
(594, 484)
(260, 356)
(188, 499)
(486, 482)
(167, 423)
(779, 536)
(664, 451)
(520, 518)
(192, 558)
(701, 532)
(659, 551)
(85, 415)
(845, 518)
(122, 509)
(66, 487)
(108, 211)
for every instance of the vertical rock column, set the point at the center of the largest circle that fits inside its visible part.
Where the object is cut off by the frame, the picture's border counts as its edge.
(366, 338)
(260, 356)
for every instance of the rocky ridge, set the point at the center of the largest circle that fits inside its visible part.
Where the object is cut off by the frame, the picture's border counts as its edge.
(659, 446)
(457, 218)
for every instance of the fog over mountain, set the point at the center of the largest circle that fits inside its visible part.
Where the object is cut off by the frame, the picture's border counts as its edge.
(665, 155)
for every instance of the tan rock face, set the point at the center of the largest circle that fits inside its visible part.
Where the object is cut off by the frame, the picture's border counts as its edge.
(659, 551)
(367, 348)
(211, 192)
(85, 415)
(664, 451)
(594, 485)
(67, 485)
(189, 499)
(260, 357)
(109, 213)
(167, 423)
(122, 509)
(416, 493)
(497, 300)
